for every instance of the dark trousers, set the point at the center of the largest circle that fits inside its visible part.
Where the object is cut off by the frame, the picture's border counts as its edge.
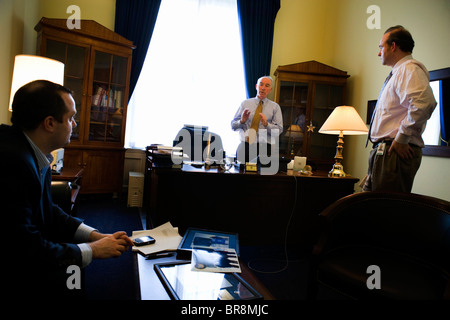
(253, 152)
(391, 173)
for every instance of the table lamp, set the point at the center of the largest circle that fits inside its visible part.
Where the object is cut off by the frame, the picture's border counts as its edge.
(343, 120)
(28, 68)
(294, 131)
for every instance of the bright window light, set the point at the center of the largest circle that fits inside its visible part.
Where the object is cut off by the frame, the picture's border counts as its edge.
(432, 133)
(193, 74)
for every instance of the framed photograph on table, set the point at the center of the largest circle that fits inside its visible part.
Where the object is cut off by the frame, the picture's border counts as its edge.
(208, 239)
(182, 283)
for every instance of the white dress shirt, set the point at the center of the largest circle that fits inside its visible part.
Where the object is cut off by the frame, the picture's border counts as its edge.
(405, 104)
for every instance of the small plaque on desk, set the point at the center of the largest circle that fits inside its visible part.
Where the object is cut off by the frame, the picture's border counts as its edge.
(251, 167)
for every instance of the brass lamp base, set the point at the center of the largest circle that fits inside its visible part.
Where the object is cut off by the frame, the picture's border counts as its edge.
(338, 169)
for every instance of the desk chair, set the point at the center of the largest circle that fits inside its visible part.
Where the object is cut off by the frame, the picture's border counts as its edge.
(405, 236)
(62, 195)
(194, 141)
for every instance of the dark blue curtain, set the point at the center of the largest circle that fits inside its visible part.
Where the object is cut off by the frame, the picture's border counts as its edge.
(257, 19)
(445, 111)
(135, 20)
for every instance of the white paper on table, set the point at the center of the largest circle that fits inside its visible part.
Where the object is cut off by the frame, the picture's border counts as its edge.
(166, 238)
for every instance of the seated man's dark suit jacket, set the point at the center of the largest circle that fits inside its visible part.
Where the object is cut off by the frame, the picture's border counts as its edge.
(39, 243)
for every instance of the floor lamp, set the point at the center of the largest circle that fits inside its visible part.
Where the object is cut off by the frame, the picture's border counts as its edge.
(28, 68)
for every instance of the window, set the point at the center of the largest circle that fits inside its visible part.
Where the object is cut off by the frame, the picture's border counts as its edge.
(432, 134)
(193, 74)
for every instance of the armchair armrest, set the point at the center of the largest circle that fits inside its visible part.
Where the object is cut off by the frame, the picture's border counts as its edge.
(62, 195)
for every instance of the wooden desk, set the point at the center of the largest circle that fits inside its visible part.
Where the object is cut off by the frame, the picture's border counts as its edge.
(260, 208)
(151, 288)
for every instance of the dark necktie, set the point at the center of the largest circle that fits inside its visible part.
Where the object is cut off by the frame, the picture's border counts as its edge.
(373, 113)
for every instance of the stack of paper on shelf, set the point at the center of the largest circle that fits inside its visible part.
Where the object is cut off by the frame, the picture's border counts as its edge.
(166, 236)
(165, 156)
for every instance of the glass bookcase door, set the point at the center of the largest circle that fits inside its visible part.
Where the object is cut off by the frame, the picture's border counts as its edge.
(293, 103)
(109, 84)
(326, 98)
(74, 59)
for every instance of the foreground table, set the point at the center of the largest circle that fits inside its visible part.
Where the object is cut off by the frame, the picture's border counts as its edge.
(151, 288)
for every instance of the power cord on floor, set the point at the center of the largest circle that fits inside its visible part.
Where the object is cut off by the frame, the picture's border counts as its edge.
(285, 241)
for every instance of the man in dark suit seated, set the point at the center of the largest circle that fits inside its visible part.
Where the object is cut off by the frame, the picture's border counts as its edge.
(44, 246)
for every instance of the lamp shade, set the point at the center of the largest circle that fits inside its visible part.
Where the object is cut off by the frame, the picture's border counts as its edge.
(344, 119)
(295, 131)
(28, 68)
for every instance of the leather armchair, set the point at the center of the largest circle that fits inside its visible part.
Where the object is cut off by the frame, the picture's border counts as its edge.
(384, 246)
(62, 195)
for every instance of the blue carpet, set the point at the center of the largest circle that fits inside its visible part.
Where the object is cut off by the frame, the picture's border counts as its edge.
(110, 279)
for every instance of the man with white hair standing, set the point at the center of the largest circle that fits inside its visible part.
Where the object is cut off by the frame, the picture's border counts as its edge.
(259, 122)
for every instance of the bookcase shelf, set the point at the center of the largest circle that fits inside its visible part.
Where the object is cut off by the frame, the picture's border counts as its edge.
(307, 93)
(97, 69)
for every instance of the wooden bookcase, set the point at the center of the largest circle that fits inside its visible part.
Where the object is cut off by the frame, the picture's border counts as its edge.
(97, 70)
(307, 93)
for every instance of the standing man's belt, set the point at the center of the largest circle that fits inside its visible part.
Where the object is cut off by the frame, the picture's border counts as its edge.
(387, 141)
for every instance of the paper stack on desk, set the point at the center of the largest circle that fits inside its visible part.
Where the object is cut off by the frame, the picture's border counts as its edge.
(166, 236)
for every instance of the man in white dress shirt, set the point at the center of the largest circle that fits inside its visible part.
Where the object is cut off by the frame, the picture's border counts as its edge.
(405, 104)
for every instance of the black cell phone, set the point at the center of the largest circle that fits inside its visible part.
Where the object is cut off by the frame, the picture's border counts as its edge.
(143, 241)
